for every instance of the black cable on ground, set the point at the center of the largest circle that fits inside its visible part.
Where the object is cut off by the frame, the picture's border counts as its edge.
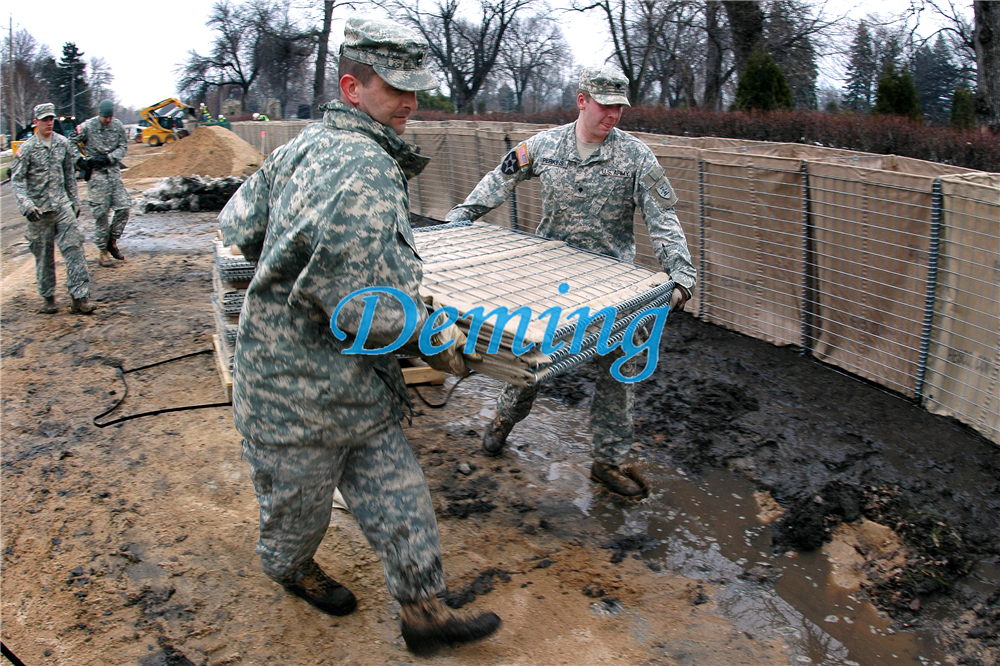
(446, 398)
(122, 373)
(11, 657)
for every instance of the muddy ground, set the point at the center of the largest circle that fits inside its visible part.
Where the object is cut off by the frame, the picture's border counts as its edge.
(133, 544)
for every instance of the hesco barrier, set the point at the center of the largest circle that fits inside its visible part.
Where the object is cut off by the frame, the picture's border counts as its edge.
(883, 266)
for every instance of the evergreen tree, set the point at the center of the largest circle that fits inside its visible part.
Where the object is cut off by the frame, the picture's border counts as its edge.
(936, 77)
(896, 94)
(435, 102)
(68, 83)
(861, 71)
(762, 85)
(963, 108)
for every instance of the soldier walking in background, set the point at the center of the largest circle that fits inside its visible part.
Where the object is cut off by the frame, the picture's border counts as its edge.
(326, 215)
(44, 183)
(105, 143)
(593, 177)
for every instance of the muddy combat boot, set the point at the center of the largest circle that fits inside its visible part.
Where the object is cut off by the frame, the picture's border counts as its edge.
(105, 259)
(617, 481)
(428, 625)
(496, 436)
(81, 306)
(49, 307)
(115, 252)
(323, 592)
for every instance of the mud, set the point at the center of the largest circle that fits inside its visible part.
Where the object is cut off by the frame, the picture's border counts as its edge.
(133, 544)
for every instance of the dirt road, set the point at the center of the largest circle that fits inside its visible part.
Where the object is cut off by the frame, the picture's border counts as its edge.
(133, 544)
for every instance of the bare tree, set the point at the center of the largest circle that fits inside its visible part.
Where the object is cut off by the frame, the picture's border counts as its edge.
(634, 26)
(231, 61)
(533, 50)
(99, 80)
(716, 43)
(282, 50)
(24, 81)
(464, 51)
(323, 52)
(987, 21)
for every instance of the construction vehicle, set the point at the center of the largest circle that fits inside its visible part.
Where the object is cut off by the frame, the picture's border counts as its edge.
(169, 120)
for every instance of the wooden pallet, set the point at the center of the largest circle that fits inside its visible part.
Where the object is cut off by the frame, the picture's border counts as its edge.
(416, 371)
(223, 361)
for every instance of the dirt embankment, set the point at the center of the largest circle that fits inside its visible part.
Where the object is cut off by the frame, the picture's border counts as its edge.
(209, 151)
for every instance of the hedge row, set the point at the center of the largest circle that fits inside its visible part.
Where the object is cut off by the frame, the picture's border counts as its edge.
(883, 135)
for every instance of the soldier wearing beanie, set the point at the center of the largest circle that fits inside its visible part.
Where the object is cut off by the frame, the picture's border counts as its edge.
(328, 214)
(594, 176)
(43, 178)
(104, 141)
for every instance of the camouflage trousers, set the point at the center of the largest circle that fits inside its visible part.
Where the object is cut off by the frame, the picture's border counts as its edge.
(382, 484)
(60, 229)
(106, 193)
(612, 409)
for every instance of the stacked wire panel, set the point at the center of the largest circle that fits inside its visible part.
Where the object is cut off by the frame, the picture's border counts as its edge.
(477, 265)
(231, 274)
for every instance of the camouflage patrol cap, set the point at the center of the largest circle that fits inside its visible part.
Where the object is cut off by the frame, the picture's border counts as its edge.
(605, 84)
(45, 110)
(393, 50)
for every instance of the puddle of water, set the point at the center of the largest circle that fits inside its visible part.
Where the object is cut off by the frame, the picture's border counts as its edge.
(707, 530)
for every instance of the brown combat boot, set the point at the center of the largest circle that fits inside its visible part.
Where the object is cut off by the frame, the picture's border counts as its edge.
(105, 259)
(626, 483)
(49, 307)
(495, 437)
(323, 592)
(115, 252)
(428, 625)
(81, 306)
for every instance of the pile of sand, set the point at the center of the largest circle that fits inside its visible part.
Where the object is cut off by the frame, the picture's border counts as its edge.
(209, 151)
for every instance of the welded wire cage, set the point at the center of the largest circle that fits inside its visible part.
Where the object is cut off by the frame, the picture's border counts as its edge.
(885, 267)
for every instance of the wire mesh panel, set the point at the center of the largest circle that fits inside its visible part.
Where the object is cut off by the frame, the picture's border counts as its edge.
(483, 267)
(753, 245)
(872, 231)
(963, 368)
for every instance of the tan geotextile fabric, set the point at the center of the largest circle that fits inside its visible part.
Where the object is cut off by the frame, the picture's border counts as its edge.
(754, 211)
(276, 132)
(963, 365)
(872, 231)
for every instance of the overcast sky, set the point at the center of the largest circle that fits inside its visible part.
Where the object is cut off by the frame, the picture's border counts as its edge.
(144, 43)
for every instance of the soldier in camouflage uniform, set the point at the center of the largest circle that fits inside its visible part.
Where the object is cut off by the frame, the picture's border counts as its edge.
(328, 214)
(593, 177)
(44, 182)
(104, 141)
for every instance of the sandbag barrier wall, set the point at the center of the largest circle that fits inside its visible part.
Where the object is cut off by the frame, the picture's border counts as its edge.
(885, 267)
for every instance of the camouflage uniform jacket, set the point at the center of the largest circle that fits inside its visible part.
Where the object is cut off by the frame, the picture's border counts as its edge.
(327, 214)
(590, 204)
(44, 177)
(110, 140)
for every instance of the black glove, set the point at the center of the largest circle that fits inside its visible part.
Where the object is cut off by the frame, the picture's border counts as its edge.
(34, 214)
(99, 162)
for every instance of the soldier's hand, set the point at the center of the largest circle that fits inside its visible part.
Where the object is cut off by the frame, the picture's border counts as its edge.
(34, 215)
(451, 360)
(678, 299)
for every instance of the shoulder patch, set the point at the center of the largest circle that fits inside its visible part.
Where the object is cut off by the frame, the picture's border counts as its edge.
(522, 155)
(509, 165)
